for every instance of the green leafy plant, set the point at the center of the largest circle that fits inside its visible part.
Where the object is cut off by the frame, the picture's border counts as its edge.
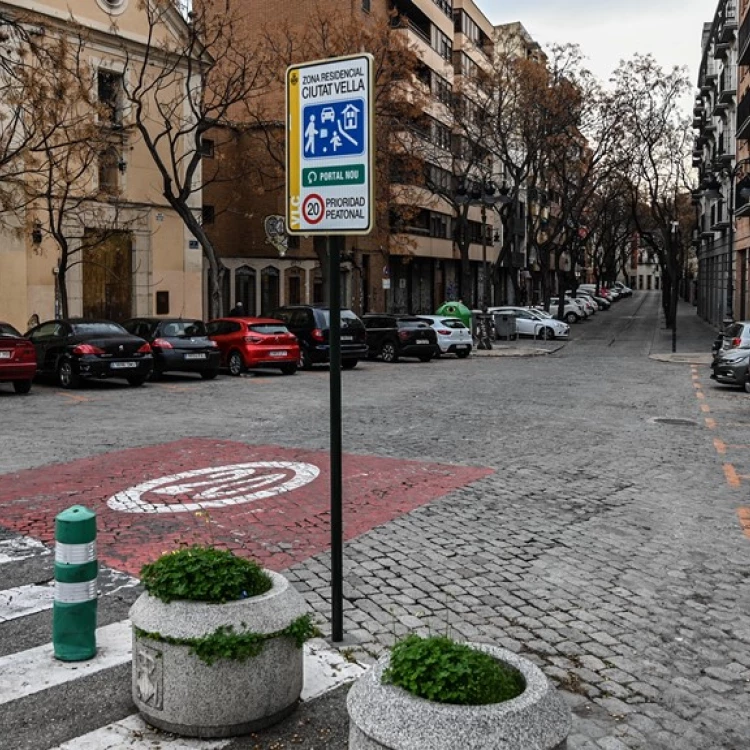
(204, 574)
(441, 670)
(226, 643)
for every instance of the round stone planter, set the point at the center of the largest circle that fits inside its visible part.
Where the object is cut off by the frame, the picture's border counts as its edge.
(385, 716)
(176, 691)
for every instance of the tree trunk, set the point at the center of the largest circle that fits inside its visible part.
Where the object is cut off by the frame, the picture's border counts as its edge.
(62, 289)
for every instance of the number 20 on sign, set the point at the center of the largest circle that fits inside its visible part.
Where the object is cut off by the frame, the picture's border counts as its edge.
(330, 146)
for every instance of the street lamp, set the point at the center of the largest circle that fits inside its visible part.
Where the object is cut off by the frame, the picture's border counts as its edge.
(485, 195)
(713, 190)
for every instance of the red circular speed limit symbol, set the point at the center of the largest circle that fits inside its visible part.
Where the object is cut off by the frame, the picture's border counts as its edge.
(313, 209)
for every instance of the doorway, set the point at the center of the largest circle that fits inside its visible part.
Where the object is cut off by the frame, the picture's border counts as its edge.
(107, 271)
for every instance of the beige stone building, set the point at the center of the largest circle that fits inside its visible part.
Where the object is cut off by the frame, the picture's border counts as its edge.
(141, 260)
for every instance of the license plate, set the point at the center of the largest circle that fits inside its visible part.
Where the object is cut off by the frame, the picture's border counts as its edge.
(122, 365)
(422, 341)
(195, 356)
(278, 354)
(347, 338)
(461, 346)
(4, 355)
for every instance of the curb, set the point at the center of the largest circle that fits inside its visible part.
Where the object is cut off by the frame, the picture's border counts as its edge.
(499, 350)
(697, 358)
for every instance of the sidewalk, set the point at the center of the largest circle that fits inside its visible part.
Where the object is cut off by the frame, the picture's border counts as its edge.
(694, 338)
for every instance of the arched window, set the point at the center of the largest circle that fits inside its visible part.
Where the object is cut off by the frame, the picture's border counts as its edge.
(269, 289)
(244, 289)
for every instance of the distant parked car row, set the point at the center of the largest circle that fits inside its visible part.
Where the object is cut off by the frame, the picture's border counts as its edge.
(74, 350)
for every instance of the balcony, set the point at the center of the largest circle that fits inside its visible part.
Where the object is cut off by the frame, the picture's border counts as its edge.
(720, 108)
(743, 43)
(721, 49)
(728, 25)
(743, 116)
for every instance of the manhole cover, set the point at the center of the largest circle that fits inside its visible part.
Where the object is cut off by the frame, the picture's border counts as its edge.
(674, 420)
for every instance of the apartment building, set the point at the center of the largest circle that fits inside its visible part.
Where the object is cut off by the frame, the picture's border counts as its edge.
(741, 302)
(413, 265)
(717, 122)
(128, 253)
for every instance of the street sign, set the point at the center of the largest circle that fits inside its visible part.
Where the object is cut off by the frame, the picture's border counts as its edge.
(329, 146)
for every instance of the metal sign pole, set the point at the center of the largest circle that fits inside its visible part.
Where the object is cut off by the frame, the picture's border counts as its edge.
(337, 546)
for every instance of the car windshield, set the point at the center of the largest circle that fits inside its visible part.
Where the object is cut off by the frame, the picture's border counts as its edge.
(348, 319)
(412, 323)
(96, 329)
(7, 330)
(187, 328)
(269, 329)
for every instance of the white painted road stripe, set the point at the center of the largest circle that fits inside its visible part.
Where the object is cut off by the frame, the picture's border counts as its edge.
(25, 600)
(326, 669)
(134, 734)
(32, 598)
(27, 672)
(12, 550)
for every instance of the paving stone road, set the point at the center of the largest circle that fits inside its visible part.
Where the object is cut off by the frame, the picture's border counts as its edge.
(610, 542)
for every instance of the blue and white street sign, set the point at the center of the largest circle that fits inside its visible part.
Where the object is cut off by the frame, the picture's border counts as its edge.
(330, 146)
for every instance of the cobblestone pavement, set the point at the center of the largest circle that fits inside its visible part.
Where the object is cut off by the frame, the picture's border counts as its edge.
(610, 544)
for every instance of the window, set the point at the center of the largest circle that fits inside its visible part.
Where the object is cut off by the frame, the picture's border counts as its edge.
(440, 135)
(108, 172)
(439, 225)
(445, 5)
(442, 90)
(366, 6)
(244, 288)
(110, 93)
(209, 214)
(207, 148)
(442, 44)
(162, 303)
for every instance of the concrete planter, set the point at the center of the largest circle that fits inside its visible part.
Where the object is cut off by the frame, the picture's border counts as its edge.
(385, 716)
(176, 691)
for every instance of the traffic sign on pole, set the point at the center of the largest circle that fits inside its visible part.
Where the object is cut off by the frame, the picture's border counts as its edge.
(329, 146)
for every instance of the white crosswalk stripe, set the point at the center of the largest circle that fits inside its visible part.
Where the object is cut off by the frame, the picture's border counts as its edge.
(30, 672)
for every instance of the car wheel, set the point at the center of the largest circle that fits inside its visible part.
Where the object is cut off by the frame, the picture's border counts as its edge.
(388, 352)
(66, 377)
(305, 362)
(235, 364)
(463, 354)
(21, 386)
(209, 375)
(136, 381)
(747, 382)
(547, 333)
(349, 364)
(289, 369)
(571, 317)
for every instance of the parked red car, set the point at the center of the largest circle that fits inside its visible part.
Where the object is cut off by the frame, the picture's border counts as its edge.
(247, 343)
(17, 359)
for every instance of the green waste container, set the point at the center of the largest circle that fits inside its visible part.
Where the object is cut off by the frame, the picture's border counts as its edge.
(456, 310)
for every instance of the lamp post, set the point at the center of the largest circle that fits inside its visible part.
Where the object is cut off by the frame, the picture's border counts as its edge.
(485, 195)
(713, 190)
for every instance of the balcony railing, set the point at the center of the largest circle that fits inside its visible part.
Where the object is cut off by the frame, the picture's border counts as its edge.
(729, 23)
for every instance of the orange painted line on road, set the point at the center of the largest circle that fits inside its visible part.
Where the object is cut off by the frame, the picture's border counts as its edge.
(705, 408)
(699, 394)
(744, 516)
(721, 448)
(710, 423)
(732, 478)
(73, 397)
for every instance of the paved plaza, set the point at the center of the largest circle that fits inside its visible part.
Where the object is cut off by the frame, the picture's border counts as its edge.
(586, 507)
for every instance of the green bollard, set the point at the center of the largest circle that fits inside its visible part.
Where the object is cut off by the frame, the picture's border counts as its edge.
(76, 570)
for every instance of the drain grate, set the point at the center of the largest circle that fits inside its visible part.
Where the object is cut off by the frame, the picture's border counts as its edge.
(674, 420)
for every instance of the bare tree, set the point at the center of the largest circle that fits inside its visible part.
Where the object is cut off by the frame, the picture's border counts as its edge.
(189, 77)
(656, 144)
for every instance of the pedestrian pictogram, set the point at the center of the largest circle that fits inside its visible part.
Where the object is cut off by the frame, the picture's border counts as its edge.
(329, 146)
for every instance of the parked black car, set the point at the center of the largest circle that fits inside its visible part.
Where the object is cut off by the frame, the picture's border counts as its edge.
(77, 349)
(392, 336)
(178, 345)
(311, 325)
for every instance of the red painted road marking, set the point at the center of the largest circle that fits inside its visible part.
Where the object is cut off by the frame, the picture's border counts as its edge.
(744, 515)
(279, 530)
(730, 473)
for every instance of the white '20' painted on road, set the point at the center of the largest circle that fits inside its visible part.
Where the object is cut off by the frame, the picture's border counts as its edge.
(215, 487)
